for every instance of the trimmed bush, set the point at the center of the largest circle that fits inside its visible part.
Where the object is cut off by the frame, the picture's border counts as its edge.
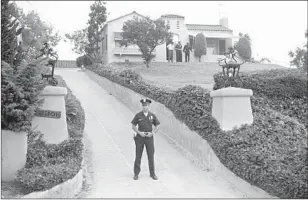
(271, 153)
(200, 46)
(283, 90)
(83, 60)
(243, 48)
(51, 164)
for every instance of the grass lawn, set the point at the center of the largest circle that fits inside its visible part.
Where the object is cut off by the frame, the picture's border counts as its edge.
(176, 75)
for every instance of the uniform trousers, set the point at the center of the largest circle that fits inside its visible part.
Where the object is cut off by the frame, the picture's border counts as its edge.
(140, 142)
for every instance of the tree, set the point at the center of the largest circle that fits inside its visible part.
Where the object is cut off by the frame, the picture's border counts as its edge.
(80, 40)
(243, 47)
(96, 22)
(9, 31)
(147, 34)
(300, 56)
(200, 46)
(38, 33)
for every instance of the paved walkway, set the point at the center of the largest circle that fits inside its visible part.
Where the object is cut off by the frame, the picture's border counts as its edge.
(109, 131)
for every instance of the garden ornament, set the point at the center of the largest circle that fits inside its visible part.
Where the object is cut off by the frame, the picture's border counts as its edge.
(230, 65)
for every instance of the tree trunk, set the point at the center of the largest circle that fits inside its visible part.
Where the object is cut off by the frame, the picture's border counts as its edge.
(147, 64)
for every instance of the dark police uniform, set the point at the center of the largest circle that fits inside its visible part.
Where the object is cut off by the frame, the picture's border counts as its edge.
(144, 125)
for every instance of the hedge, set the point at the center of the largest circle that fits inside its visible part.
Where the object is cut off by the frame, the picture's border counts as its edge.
(283, 90)
(48, 165)
(270, 154)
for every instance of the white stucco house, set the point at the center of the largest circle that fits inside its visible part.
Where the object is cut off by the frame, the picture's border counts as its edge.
(219, 38)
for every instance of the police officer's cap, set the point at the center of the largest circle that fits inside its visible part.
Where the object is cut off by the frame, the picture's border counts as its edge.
(145, 101)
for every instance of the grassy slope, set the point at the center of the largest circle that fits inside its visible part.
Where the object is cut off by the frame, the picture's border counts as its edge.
(176, 75)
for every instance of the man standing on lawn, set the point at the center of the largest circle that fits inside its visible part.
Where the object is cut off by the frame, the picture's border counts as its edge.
(143, 136)
(170, 48)
(187, 50)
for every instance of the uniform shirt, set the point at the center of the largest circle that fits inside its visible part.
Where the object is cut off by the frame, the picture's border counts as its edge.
(145, 122)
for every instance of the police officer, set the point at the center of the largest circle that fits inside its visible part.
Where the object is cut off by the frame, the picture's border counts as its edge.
(144, 137)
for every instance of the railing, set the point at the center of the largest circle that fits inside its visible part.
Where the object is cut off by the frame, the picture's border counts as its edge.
(128, 51)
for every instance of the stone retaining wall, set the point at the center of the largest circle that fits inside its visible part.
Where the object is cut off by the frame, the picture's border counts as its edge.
(178, 132)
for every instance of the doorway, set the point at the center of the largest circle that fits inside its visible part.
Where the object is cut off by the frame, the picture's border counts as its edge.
(222, 47)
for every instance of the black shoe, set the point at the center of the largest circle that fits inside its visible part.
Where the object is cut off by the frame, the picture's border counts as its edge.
(135, 177)
(153, 176)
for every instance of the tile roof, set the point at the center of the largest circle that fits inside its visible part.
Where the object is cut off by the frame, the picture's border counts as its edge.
(173, 16)
(134, 12)
(207, 27)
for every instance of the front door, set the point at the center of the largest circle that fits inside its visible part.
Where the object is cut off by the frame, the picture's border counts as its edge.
(222, 47)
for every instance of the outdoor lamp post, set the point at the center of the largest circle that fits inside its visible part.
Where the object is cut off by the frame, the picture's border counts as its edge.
(230, 66)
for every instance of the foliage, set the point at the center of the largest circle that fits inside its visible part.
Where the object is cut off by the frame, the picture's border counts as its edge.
(96, 22)
(83, 60)
(19, 96)
(51, 164)
(80, 40)
(270, 154)
(264, 59)
(86, 41)
(9, 31)
(45, 177)
(300, 56)
(37, 33)
(243, 48)
(146, 34)
(283, 90)
(200, 46)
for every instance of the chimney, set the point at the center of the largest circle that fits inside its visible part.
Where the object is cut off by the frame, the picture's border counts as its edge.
(224, 22)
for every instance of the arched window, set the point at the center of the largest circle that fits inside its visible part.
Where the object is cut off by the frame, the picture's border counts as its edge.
(178, 24)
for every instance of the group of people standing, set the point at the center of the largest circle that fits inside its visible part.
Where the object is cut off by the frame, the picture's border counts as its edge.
(178, 51)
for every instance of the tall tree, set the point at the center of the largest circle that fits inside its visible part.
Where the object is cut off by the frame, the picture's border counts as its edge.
(9, 31)
(200, 46)
(243, 46)
(299, 57)
(38, 33)
(80, 40)
(147, 34)
(98, 16)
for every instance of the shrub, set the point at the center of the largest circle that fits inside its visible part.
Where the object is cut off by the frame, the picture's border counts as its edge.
(83, 60)
(271, 153)
(283, 90)
(43, 177)
(19, 96)
(51, 164)
(200, 46)
(243, 48)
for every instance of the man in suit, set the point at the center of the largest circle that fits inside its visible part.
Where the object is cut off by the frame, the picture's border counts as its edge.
(187, 50)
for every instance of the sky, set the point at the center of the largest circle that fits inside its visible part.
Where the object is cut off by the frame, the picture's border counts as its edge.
(275, 27)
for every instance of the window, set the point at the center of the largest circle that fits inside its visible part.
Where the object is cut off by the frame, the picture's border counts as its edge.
(178, 24)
